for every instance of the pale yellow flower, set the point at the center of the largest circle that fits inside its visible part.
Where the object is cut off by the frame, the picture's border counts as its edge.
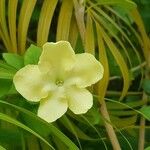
(59, 81)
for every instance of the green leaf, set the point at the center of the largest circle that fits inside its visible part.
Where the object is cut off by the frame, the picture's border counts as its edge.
(4, 65)
(147, 148)
(6, 74)
(114, 68)
(13, 60)
(68, 124)
(2, 148)
(5, 86)
(50, 127)
(128, 4)
(144, 8)
(74, 129)
(10, 136)
(145, 111)
(146, 86)
(32, 55)
(11, 120)
(6, 71)
(12, 90)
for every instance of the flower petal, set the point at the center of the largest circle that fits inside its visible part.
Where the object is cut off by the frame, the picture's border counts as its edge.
(87, 71)
(57, 55)
(79, 100)
(52, 108)
(30, 83)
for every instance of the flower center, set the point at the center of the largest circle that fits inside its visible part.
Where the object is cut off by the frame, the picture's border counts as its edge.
(59, 82)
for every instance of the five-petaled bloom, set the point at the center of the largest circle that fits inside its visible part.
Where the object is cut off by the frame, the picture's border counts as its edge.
(59, 80)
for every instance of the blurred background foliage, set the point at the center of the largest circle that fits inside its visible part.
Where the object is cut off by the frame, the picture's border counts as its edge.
(143, 7)
(114, 32)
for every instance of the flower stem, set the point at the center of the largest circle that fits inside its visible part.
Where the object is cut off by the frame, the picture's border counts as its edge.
(79, 14)
(145, 97)
(141, 134)
(109, 128)
(142, 120)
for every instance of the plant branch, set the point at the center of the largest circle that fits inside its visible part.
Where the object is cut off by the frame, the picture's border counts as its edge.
(141, 134)
(109, 128)
(142, 124)
(145, 97)
(79, 14)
